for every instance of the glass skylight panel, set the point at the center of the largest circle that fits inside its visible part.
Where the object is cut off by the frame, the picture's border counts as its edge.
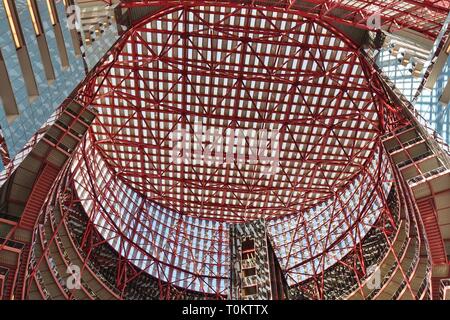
(328, 122)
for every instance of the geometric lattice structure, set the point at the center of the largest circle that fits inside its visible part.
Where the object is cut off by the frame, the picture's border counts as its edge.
(231, 70)
(235, 150)
(322, 102)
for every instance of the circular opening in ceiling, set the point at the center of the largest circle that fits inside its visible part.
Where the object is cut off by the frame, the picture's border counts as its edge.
(235, 113)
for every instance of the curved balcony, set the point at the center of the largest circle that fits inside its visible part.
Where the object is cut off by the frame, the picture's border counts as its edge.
(51, 257)
(397, 265)
(58, 240)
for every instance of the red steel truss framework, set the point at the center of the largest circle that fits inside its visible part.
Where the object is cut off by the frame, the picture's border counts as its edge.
(425, 17)
(235, 68)
(270, 59)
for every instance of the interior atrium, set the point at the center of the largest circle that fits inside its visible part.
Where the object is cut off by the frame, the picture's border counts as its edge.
(224, 150)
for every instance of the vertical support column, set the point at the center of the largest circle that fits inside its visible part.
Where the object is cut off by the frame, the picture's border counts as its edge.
(255, 272)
